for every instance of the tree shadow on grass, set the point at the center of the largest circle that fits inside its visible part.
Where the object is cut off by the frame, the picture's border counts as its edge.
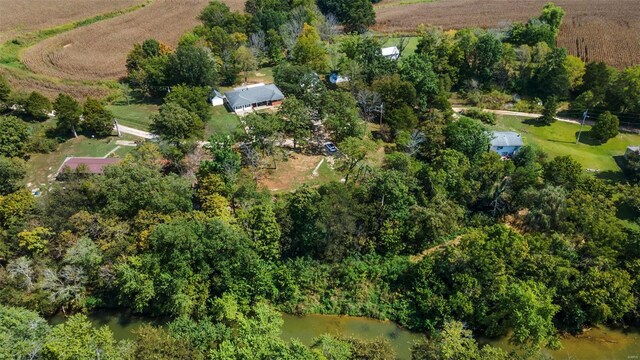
(561, 141)
(588, 138)
(537, 122)
(613, 175)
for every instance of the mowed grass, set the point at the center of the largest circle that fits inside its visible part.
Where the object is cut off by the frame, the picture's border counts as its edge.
(560, 139)
(134, 115)
(41, 167)
(222, 122)
(138, 116)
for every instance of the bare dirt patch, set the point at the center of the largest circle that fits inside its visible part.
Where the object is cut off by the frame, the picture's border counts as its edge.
(297, 170)
(19, 16)
(596, 30)
(98, 51)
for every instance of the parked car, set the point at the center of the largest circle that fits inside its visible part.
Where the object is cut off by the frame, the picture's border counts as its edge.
(331, 147)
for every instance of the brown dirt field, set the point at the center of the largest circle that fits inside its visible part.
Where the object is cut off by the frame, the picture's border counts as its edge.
(98, 51)
(51, 89)
(19, 16)
(596, 30)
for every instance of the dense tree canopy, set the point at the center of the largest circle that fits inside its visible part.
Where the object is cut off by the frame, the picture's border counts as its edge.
(13, 137)
(411, 219)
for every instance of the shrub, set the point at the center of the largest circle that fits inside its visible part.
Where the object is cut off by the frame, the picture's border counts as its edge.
(528, 106)
(491, 100)
(479, 114)
(606, 127)
(40, 143)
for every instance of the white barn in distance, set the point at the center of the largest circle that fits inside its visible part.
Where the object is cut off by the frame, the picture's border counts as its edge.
(392, 53)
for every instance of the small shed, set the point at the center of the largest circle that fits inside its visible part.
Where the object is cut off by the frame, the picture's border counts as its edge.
(506, 143)
(631, 150)
(391, 52)
(336, 78)
(216, 98)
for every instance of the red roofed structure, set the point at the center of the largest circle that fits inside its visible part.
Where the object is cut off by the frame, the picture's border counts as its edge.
(94, 165)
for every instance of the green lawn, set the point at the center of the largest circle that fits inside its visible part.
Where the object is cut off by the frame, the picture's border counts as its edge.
(560, 139)
(262, 75)
(134, 115)
(222, 122)
(412, 44)
(41, 166)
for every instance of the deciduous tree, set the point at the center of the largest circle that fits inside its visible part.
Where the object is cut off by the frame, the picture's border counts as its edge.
(606, 127)
(12, 171)
(192, 98)
(175, 124)
(355, 150)
(192, 66)
(37, 106)
(68, 113)
(14, 136)
(97, 120)
(246, 60)
(23, 333)
(297, 120)
(468, 136)
(309, 50)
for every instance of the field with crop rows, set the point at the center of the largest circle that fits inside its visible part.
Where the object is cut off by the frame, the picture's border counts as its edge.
(20, 16)
(99, 51)
(596, 30)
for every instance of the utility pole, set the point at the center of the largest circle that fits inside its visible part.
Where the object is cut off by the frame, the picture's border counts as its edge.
(584, 118)
(115, 121)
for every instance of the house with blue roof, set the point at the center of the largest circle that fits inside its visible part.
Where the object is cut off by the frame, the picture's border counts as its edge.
(506, 143)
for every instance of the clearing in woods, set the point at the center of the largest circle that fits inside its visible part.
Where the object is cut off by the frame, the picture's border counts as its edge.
(595, 30)
(559, 139)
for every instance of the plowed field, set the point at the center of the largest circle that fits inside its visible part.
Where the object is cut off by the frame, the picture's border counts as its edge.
(596, 30)
(99, 51)
(18, 16)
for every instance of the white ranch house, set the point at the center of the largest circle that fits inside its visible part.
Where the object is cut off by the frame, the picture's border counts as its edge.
(248, 98)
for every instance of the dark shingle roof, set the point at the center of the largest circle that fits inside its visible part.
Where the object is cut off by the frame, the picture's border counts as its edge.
(215, 94)
(253, 95)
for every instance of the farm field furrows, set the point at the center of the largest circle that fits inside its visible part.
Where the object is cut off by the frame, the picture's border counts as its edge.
(99, 51)
(19, 16)
(596, 30)
(51, 89)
